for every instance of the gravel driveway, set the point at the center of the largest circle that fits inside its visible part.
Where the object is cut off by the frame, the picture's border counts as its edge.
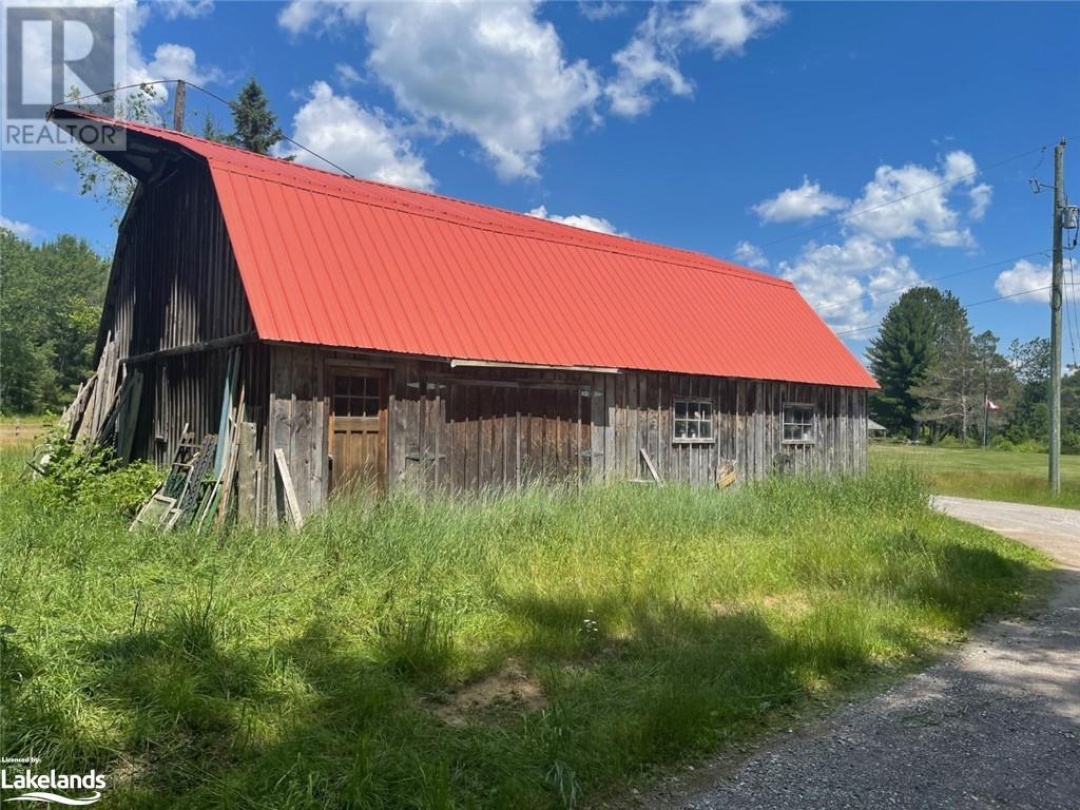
(996, 724)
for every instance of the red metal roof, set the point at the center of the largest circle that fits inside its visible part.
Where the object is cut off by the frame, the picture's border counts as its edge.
(334, 261)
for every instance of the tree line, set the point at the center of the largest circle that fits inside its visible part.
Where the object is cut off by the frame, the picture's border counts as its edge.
(49, 313)
(940, 380)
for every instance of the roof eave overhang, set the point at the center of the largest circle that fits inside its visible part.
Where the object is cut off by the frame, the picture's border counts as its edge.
(143, 157)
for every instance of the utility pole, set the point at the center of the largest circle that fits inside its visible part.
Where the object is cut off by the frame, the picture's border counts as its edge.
(1056, 283)
(178, 105)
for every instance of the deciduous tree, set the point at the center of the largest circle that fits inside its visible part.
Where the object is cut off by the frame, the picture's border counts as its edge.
(49, 315)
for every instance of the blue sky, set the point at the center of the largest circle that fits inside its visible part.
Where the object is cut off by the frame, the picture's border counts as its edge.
(758, 132)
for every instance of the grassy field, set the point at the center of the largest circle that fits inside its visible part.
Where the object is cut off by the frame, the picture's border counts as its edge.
(538, 651)
(988, 474)
(23, 431)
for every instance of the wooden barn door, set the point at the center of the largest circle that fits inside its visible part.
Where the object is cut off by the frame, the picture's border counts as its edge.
(357, 430)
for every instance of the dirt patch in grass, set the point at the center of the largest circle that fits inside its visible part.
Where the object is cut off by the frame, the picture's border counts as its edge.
(509, 688)
(794, 605)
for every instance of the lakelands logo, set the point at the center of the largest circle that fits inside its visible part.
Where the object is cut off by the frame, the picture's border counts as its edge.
(41, 787)
(52, 49)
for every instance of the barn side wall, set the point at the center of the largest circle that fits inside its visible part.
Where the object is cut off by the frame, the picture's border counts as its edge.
(468, 429)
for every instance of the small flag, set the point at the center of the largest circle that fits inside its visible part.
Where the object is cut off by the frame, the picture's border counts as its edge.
(990, 406)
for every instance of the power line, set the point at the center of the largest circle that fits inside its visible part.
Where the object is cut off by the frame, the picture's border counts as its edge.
(231, 105)
(965, 308)
(925, 281)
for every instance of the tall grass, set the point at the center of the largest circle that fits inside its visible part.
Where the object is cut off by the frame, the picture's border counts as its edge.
(994, 475)
(326, 668)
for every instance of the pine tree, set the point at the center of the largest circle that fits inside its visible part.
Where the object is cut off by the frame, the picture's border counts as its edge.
(904, 350)
(255, 125)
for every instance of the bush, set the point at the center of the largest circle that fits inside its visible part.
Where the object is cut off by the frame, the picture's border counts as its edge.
(92, 478)
(1032, 446)
(1002, 443)
(1070, 442)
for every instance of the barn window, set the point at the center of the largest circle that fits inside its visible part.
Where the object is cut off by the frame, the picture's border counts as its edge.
(799, 424)
(356, 396)
(693, 421)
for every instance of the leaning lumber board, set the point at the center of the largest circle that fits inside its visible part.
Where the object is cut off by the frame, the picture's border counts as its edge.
(80, 405)
(287, 486)
(246, 474)
(230, 461)
(649, 464)
(86, 425)
(100, 390)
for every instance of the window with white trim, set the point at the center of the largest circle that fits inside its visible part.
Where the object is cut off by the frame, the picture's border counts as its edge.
(693, 421)
(799, 424)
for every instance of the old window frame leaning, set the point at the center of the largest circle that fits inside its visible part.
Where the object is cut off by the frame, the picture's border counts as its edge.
(687, 428)
(799, 423)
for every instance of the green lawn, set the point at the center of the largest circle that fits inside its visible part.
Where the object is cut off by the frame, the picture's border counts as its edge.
(537, 651)
(988, 474)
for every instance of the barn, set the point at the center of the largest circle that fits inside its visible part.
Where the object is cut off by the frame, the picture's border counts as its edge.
(372, 336)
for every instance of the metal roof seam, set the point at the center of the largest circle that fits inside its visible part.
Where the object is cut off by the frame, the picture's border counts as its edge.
(648, 250)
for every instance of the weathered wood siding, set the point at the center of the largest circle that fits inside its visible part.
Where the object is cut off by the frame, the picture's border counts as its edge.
(187, 389)
(298, 413)
(174, 280)
(176, 307)
(467, 429)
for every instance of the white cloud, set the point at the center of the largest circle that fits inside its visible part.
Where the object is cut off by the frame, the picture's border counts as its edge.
(583, 221)
(170, 60)
(640, 66)
(648, 65)
(750, 255)
(21, 229)
(913, 202)
(361, 142)
(492, 71)
(347, 75)
(323, 15)
(179, 62)
(1027, 281)
(173, 9)
(597, 10)
(807, 201)
(980, 200)
(851, 284)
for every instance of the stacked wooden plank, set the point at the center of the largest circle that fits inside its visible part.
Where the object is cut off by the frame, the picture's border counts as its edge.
(214, 480)
(106, 407)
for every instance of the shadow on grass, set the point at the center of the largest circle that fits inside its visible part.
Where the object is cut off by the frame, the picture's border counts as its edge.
(312, 723)
(967, 583)
(318, 721)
